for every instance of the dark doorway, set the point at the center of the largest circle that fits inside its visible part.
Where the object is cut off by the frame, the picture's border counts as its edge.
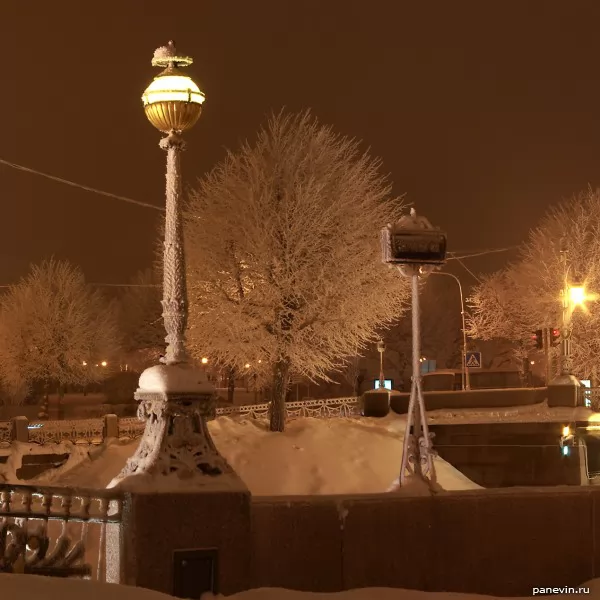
(194, 573)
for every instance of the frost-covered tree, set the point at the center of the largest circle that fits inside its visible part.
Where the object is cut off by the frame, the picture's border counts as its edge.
(54, 329)
(140, 318)
(284, 261)
(499, 311)
(526, 295)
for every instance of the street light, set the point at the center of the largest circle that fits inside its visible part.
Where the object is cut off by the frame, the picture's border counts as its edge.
(381, 350)
(415, 247)
(103, 363)
(175, 398)
(466, 379)
(576, 295)
(204, 360)
(173, 104)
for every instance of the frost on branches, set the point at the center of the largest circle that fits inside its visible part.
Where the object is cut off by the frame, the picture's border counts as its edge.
(50, 324)
(284, 263)
(526, 296)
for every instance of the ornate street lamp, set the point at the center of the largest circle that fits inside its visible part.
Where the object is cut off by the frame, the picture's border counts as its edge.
(415, 248)
(175, 397)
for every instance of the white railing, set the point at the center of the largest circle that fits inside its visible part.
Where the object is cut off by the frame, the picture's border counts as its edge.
(321, 409)
(93, 431)
(80, 431)
(56, 531)
(5, 433)
(131, 428)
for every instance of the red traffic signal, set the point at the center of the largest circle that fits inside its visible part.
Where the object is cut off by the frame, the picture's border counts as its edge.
(538, 339)
(555, 337)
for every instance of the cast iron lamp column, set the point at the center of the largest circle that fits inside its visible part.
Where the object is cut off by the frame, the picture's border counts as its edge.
(175, 397)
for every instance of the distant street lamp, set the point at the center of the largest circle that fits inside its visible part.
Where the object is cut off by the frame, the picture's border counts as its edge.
(576, 295)
(466, 379)
(572, 296)
(175, 398)
(104, 363)
(381, 350)
(204, 360)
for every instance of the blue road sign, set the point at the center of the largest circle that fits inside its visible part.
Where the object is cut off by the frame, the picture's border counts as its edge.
(473, 360)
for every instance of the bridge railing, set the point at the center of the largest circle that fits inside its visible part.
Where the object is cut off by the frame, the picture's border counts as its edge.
(56, 531)
(591, 397)
(95, 431)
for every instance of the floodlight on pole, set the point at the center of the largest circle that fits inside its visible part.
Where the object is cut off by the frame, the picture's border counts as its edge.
(415, 247)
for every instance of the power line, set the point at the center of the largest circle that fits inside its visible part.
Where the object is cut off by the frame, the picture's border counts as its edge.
(144, 285)
(481, 253)
(82, 187)
(462, 264)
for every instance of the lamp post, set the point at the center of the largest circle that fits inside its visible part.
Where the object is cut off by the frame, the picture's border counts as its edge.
(175, 398)
(415, 248)
(572, 296)
(466, 382)
(381, 350)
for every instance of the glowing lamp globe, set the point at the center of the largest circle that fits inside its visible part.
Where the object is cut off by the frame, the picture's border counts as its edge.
(577, 295)
(172, 102)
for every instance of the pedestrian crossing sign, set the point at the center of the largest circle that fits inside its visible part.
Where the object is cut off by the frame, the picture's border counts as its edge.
(473, 360)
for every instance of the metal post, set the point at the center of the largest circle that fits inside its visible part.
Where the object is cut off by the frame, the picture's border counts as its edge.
(381, 350)
(547, 340)
(174, 302)
(417, 451)
(466, 381)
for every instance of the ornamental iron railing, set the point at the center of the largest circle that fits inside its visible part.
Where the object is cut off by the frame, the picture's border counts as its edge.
(130, 428)
(321, 409)
(79, 431)
(5, 433)
(95, 431)
(56, 531)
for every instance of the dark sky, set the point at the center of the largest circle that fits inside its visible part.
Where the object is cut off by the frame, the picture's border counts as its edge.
(484, 113)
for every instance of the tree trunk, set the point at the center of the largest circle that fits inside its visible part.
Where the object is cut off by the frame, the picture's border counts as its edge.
(358, 381)
(230, 383)
(281, 379)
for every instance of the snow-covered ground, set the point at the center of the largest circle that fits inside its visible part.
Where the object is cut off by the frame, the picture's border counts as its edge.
(535, 413)
(313, 456)
(31, 587)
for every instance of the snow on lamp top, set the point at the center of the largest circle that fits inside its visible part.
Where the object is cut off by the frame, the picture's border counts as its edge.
(166, 56)
(163, 379)
(412, 240)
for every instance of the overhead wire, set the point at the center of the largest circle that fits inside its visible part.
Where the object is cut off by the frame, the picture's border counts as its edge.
(80, 186)
(481, 252)
(462, 264)
(452, 255)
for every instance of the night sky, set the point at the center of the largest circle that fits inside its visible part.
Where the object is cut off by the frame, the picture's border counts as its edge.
(484, 113)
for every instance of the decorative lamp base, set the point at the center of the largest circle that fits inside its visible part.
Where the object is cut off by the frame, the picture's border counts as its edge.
(176, 452)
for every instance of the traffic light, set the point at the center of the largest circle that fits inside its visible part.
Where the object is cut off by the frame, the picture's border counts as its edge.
(538, 339)
(554, 337)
